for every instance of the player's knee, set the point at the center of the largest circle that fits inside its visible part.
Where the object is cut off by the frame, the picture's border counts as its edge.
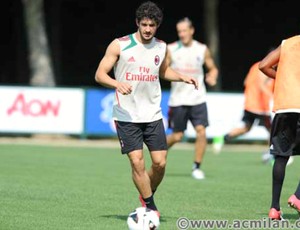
(200, 131)
(137, 163)
(159, 165)
(178, 136)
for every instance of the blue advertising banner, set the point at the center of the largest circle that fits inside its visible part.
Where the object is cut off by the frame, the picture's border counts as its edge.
(98, 114)
(165, 108)
(223, 116)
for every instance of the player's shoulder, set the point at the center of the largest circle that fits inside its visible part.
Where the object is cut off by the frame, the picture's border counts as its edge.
(159, 40)
(292, 39)
(174, 45)
(199, 43)
(297, 36)
(161, 44)
(124, 38)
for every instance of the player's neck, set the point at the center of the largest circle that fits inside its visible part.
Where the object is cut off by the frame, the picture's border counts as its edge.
(188, 43)
(141, 40)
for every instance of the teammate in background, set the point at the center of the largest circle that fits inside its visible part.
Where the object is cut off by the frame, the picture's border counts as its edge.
(138, 60)
(258, 95)
(283, 65)
(189, 56)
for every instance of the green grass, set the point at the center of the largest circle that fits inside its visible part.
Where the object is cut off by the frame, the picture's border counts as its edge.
(90, 188)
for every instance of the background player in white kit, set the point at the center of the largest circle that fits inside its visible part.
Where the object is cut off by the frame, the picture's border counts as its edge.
(138, 60)
(189, 56)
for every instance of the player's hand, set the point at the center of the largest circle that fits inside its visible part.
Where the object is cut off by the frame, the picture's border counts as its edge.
(210, 80)
(191, 80)
(124, 88)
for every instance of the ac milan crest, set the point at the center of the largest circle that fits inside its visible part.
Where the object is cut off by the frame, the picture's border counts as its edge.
(156, 60)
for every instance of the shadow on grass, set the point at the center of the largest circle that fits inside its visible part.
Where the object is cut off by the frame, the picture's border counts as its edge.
(287, 216)
(290, 216)
(124, 217)
(118, 217)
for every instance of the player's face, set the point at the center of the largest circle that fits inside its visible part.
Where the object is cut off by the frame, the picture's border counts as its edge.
(185, 32)
(147, 29)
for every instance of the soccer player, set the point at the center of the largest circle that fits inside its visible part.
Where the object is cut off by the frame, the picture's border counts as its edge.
(283, 65)
(258, 95)
(189, 56)
(138, 60)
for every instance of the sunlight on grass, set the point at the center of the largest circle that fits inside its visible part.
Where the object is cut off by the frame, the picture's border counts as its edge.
(91, 188)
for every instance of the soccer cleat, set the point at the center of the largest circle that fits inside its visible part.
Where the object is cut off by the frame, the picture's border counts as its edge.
(157, 213)
(217, 144)
(290, 161)
(294, 202)
(142, 201)
(267, 158)
(198, 174)
(275, 215)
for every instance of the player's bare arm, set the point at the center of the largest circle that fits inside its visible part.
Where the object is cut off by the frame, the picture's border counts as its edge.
(105, 66)
(269, 63)
(263, 84)
(212, 74)
(168, 59)
(167, 73)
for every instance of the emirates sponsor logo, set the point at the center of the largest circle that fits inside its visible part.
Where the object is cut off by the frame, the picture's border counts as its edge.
(143, 75)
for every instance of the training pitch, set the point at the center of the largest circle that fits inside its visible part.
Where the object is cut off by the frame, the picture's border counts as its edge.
(86, 185)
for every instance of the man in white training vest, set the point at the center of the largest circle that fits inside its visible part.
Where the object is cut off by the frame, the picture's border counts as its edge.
(138, 60)
(188, 56)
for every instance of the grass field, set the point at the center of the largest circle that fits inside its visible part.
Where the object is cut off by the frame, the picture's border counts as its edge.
(90, 188)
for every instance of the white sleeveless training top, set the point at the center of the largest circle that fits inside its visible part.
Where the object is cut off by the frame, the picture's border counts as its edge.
(139, 65)
(188, 61)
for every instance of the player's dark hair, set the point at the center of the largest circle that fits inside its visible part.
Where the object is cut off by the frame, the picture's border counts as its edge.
(187, 20)
(149, 10)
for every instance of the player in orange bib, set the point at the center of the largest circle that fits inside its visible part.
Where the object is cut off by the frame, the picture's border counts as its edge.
(283, 65)
(258, 94)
